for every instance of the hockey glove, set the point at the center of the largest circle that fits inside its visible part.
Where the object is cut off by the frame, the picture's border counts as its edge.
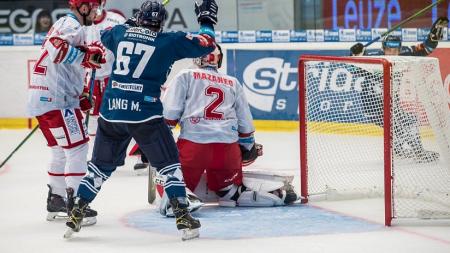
(206, 12)
(357, 49)
(437, 30)
(85, 104)
(249, 156)
(94, 56)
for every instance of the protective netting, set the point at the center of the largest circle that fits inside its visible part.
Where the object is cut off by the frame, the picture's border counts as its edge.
(345, 143)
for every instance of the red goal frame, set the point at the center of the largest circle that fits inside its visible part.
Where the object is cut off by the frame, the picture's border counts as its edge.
(388, 179)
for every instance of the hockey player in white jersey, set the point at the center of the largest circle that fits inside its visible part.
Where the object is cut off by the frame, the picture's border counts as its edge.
(103, 21)
(56, 100)
(217, 136)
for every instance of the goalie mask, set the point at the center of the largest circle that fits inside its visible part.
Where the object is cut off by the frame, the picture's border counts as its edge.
(214, 59)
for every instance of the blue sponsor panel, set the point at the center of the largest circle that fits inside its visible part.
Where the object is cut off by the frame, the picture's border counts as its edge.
(39, 38)
(263, 36)
(247, 36)
(230, 37)
(422, 34)
(270, 82)
(331, 35)
(23, 39)
(363, 35)
(298, 36)
(409, 34)
(6, 39)
(347, 35)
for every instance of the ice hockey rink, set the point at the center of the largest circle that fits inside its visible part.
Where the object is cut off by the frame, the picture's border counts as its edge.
(127, 223)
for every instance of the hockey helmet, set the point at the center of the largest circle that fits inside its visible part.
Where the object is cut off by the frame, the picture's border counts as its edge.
(78, 3)
(392, 41)
(213, 59)
(152, 14)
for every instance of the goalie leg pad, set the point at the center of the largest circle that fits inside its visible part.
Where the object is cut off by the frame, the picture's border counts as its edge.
(194, 204)
(242, 196)
(262, 185)
(259, 199)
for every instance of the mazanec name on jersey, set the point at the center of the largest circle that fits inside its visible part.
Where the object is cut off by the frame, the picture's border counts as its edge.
(213, 78)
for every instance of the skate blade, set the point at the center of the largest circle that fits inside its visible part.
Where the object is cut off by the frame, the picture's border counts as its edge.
(88, 221)
(69, 233)
(57, 216)
(189, 234)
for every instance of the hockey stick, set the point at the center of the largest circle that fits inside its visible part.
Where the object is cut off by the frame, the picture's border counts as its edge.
(91, 91)
(415, 15)
(20, 145)
(151, 191)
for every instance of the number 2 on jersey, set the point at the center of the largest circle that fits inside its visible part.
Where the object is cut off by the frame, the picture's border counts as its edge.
(219, 96)
(127, 48)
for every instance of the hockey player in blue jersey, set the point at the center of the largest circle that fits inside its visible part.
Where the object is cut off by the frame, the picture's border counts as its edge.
(407, 142)
(131, 107)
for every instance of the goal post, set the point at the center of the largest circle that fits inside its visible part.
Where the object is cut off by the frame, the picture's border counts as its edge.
(375, 127)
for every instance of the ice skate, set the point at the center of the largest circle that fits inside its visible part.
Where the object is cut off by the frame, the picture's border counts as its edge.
(184, 221)
(290, 195)
(56, 206)
(80, 214)
(78, 211)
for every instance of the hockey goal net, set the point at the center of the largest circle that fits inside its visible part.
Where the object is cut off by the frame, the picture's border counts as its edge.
(376, 127)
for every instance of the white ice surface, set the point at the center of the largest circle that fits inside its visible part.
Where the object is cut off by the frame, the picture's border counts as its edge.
(23, 227)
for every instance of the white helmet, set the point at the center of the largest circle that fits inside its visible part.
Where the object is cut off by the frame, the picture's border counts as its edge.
(214, 59)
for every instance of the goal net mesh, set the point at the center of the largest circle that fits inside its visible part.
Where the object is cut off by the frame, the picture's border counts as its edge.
(345, 142)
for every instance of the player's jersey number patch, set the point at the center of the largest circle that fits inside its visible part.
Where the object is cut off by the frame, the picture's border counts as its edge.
(211, 109)
(124, 51)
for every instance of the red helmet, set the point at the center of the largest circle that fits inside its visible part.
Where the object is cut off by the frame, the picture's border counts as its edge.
(78, 3)
(213, 59)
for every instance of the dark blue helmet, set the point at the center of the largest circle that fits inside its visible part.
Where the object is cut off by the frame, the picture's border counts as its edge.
(152, 14)
(392, 41)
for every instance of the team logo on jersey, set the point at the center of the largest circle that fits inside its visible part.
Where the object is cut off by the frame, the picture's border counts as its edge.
(45, 99)
(135, 87)
(194, 120)
(150, 99)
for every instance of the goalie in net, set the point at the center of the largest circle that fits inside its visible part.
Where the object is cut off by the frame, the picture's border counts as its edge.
(407, 141)
(216, 139)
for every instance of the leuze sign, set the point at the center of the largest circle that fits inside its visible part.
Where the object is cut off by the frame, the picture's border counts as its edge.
(367, 14)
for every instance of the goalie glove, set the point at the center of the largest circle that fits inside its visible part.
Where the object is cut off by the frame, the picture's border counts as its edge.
(437, 30)
(357, 49)
(249, 156)
(206, 12)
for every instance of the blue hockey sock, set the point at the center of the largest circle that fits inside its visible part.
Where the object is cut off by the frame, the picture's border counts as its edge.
(174, 185)
(91, 184)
